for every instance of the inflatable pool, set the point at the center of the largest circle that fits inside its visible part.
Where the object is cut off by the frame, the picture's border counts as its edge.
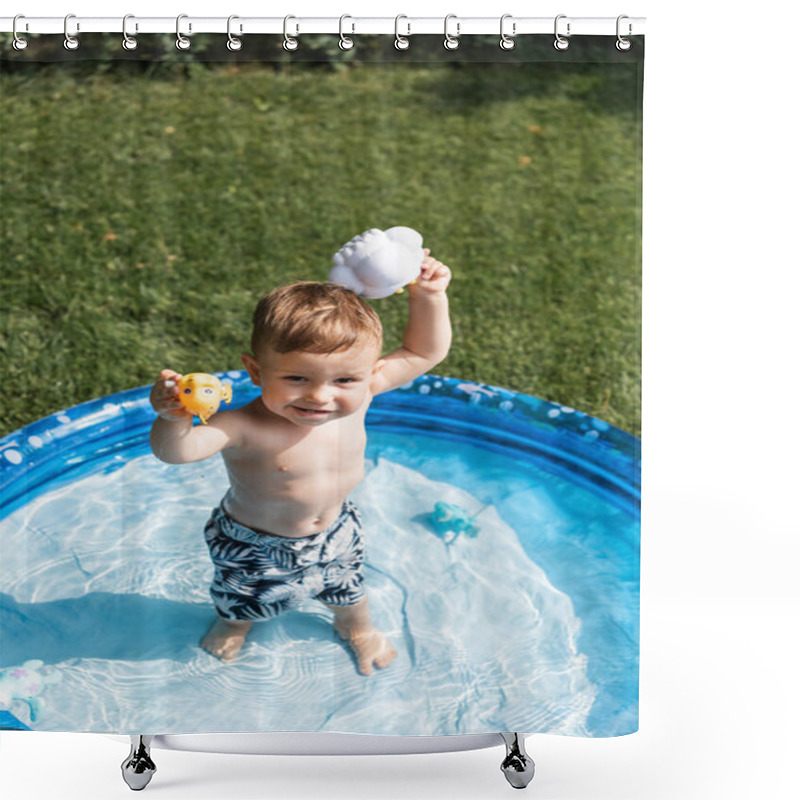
(105, 577)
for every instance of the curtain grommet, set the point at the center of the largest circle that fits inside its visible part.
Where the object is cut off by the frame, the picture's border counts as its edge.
(507, 41)
(234, 44)
(345, 42)
(401, 42)
(451, 41)
(18, 42)
(182, 42)
(561, 43)
(71, 42)
(290, 44)
(129, 42)
(622, 44)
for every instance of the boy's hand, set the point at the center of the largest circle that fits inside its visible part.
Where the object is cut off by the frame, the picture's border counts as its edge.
(434, 278)
(164, 397)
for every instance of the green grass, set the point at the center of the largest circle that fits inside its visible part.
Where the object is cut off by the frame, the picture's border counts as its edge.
(143, 218)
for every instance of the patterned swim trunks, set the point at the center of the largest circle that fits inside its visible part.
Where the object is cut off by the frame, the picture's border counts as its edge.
(258, 575)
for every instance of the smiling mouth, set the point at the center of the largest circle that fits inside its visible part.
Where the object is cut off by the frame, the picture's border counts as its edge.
(311, 412)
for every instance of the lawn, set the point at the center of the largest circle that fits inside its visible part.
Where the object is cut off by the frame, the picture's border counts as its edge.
(143, 217)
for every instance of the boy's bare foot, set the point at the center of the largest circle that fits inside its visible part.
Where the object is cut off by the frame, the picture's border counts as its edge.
(370, 646)
(225, 638)
(353, 624)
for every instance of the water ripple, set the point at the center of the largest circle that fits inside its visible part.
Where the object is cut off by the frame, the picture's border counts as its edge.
(113, 594)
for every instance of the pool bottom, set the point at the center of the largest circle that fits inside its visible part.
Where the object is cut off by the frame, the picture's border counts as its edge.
(458, 672)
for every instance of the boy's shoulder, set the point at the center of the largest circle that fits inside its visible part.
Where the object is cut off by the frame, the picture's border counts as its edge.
(234, 421)
(249, 414)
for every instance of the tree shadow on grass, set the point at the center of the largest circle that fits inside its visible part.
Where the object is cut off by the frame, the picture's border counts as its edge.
(533, 67)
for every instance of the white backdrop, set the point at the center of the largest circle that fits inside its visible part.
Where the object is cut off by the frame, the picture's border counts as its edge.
(719, 694)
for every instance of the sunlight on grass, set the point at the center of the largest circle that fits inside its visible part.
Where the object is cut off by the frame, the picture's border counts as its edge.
(142, 219)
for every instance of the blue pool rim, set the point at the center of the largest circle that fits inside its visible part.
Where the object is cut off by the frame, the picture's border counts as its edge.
(102, 434)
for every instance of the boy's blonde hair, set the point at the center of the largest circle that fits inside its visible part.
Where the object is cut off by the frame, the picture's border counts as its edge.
(313, 317)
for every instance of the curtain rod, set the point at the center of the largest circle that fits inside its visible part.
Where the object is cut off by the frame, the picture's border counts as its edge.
(346, 25)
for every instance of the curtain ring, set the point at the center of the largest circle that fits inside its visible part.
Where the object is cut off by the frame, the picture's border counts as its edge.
(182, 43)
(451, 42)
(561, 43)
(401, 42)
(70, 42)
(507, 42)
(128, 42)
(234, 43)
(289, 43)
(19, 43)
(345, 42)
(623, 44)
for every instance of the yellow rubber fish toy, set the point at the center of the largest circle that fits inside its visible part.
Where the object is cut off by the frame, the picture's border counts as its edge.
(202, 393)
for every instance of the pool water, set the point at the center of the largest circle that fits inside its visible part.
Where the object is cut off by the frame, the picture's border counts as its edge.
(531, 625)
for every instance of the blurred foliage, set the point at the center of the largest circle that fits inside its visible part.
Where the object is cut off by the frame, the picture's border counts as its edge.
(104, 52)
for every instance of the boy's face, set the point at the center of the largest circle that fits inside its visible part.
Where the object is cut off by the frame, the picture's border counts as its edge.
(310, 389)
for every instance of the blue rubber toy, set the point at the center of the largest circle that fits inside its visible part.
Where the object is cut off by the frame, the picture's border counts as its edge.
(449, 521)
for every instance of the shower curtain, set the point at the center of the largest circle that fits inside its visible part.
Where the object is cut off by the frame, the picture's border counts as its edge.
(151, 198)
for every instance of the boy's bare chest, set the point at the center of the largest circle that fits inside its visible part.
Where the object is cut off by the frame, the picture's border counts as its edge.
(334, 447)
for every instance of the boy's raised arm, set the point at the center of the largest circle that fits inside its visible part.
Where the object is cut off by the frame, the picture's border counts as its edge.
(173, 437)
(428, 333)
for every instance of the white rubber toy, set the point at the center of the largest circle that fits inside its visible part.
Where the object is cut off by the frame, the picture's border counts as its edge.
(379, 263)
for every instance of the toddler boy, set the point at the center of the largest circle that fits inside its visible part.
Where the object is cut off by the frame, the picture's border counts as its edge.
(286, 531)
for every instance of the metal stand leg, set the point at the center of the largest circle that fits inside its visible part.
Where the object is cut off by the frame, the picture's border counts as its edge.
(518, 766)
(138, 768)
